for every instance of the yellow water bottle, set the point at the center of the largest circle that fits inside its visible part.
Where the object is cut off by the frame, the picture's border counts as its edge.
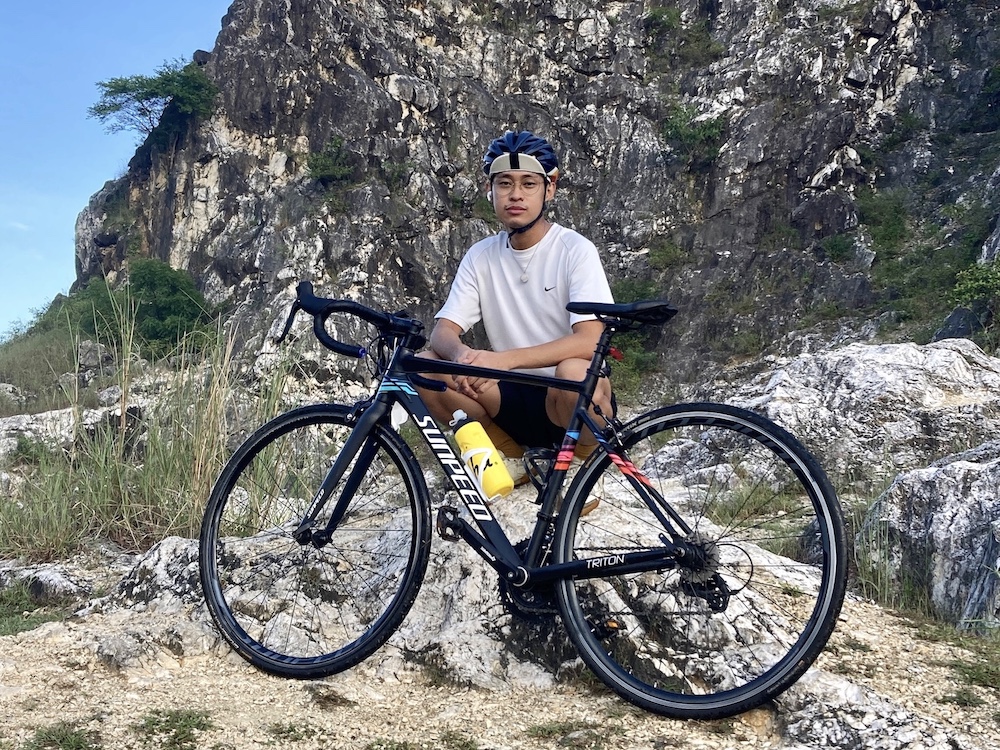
(481, 456)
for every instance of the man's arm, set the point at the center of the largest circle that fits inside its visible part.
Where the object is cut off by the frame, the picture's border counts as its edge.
(446, 340)
(580, 344)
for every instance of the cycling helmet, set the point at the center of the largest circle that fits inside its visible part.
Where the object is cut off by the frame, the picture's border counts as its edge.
(521, 150)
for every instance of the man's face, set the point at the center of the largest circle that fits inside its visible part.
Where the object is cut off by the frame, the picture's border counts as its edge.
(518, 197)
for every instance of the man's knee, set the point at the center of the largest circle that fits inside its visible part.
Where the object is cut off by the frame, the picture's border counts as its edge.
(576, 369)
(572, 369)
(428, 354)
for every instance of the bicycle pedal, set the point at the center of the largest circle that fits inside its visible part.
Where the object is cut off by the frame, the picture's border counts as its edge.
(606, 628)
(448, 523)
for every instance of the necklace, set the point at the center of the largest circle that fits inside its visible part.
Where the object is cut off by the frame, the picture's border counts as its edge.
(519, 254)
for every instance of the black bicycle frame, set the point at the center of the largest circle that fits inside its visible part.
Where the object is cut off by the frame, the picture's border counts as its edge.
(490, 541)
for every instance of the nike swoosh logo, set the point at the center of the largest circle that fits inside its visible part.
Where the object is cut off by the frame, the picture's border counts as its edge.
(549, 288)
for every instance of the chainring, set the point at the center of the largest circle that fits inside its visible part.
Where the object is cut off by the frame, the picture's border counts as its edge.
(528, 603)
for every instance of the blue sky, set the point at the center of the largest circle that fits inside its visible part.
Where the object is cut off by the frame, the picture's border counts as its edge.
(52, 156)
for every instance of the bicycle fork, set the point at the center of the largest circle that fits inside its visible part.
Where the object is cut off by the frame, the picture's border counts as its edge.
(360, 443)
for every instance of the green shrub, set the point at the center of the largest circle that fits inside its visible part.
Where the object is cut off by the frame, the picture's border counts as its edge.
(698, 140)
(634, 290)
(978, 283)
(838, 247)
(885, 214)
(63, 736)
(662, 21)
(396, 174)
(916, 264)
(904, 128)
(978, 288)
(174, 729)
(664, 254)
(332, 166)
(20, 610)
(639, 357)
(781, 236)
(90, 310)
(168, 306)
(671, 42)
(161, 302)
(984, 116)
(697, 47)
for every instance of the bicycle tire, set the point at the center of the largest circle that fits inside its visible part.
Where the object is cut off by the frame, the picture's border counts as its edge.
(767, 521)
(298, 610)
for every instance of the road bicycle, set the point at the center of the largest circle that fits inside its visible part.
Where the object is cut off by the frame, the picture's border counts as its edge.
(707, 580)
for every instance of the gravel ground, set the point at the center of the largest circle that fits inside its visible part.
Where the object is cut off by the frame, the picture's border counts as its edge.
(61, 672)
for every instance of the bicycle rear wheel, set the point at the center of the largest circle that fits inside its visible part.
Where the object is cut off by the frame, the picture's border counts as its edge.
(298, 609)
(735, 624)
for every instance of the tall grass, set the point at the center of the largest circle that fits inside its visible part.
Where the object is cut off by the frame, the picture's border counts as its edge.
(877, 570)
(145, 470)
(32, 363)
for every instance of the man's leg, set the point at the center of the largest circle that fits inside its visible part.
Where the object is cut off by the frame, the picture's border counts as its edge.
(443, 405)
(559, 404)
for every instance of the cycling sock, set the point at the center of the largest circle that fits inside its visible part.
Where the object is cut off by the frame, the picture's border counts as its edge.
(503, 442)
(583, 451)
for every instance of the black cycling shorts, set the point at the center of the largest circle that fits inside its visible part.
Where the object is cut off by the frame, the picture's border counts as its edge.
(522, 416)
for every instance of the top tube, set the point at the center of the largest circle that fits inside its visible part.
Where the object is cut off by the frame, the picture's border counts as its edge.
(410, 363)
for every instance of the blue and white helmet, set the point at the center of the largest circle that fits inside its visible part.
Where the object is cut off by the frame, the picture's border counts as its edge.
(521, 150)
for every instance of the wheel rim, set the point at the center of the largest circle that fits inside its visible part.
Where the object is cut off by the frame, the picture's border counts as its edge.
(754, 493)
(288, 606)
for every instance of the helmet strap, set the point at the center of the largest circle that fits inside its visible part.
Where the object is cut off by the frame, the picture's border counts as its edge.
(530, 224)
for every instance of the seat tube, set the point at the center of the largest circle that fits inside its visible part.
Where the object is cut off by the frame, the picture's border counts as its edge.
(591, 379)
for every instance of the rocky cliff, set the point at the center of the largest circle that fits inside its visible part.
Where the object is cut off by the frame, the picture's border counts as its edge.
(720, 154)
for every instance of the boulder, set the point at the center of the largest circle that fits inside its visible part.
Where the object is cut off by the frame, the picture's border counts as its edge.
(937, 531)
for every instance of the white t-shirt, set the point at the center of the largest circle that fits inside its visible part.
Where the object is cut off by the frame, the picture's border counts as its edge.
(563, 267)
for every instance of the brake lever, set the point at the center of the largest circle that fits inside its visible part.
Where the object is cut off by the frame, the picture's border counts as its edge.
(428, 383)
(288, 323)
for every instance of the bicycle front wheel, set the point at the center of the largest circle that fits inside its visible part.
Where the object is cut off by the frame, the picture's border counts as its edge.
(738, 619)
(309, 609)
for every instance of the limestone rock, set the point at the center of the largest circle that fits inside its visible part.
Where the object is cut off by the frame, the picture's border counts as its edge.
(870, 411)
(939, 530)
(733, 228)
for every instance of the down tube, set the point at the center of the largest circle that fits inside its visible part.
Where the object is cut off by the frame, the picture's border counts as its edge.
(453, 466)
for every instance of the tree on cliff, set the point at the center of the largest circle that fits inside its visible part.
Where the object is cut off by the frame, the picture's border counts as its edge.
(140, 102)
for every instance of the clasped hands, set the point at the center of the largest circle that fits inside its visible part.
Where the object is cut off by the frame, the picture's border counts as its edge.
(474, 387)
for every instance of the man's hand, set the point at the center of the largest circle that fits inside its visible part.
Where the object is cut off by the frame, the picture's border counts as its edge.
(473, 387)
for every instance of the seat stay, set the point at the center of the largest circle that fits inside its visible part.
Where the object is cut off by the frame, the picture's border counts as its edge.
(657, 504)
